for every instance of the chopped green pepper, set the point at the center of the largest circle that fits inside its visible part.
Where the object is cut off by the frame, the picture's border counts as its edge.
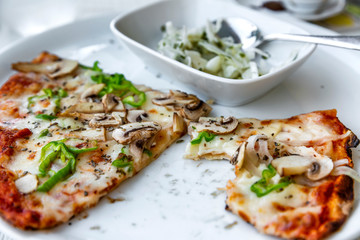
(264, 187)
(206, 135)
(59, 176)
(117, 84)
(124, 163)
(95, 67)
(45, 117)
(55, 150)
(50, 94)
(131, 100)
(148, 152)
(44, 133)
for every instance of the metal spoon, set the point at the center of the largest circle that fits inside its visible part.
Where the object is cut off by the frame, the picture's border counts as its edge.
(249, 35)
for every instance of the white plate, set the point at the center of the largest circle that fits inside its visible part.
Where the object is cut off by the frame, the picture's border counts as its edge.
(331, 8)
(174, 198)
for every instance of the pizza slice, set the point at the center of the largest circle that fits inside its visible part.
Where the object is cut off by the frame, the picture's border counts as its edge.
(294, 177)
(69, 134)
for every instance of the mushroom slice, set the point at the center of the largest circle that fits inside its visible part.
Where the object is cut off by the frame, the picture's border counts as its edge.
(320, 168)
(137, 148)
(175, 97)
(188, 105)
(193, 111)
(97, 134)
(85, 107)
(136, 116)
(216, 125)
(292, 165)
(103, 120)
(91, 92)
(78, 116)
(314, 168)
(53, 69)
(239, 156)
(119, 116)
(179, 125)
(110, 101)
(130, 132)
(27, 183)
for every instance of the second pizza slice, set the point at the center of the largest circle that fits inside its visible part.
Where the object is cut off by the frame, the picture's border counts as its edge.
(294, 177)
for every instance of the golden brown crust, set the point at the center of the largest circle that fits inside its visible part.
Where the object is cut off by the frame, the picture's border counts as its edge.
(13, 205)
(20, 84)
(7, 142)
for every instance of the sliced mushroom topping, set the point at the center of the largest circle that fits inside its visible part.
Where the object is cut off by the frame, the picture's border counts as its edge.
(119, 116)
(91, 92)
(216, 125)
(292, 165)
(242, 159)
(137, 148)
(314, 168)
(27, 183)
(53, 69)
(137, 116)
(78, 116)
(188, 105)
(130, 132)
(239, 156)
(320, 169)
(112, 102)
(97, 134)
(85, 107)
(179, 125)
(193, 111)
(103, 120)
(175, 97)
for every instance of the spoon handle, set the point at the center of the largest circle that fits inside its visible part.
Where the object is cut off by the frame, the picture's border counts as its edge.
(350, 42)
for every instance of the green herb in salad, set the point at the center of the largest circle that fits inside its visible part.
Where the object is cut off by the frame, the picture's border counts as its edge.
(204, 50)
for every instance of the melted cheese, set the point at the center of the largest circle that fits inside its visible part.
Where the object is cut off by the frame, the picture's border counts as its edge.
(265, 209)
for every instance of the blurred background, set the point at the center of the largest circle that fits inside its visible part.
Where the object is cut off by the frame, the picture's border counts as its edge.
(22, 18)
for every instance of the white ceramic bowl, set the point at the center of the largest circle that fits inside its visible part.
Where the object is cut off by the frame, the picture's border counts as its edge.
(305, 6)
(140, 32)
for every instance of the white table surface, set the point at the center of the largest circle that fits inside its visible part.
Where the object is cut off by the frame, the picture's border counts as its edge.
(30, 17)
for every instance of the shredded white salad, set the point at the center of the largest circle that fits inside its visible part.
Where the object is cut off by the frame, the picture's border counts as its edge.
(204, 50)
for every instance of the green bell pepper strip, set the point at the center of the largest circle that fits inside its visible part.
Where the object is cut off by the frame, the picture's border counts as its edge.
(49, 153)
(117, 84)
(49, 93)
(264, 187)
(206, 135)
(44, 133)
(45, 117)
(123, 163)
(75, 150)
(148, 152)
(59, 176)
(94, 68)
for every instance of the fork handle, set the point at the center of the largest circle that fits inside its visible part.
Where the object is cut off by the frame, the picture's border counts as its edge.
(349, 42)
